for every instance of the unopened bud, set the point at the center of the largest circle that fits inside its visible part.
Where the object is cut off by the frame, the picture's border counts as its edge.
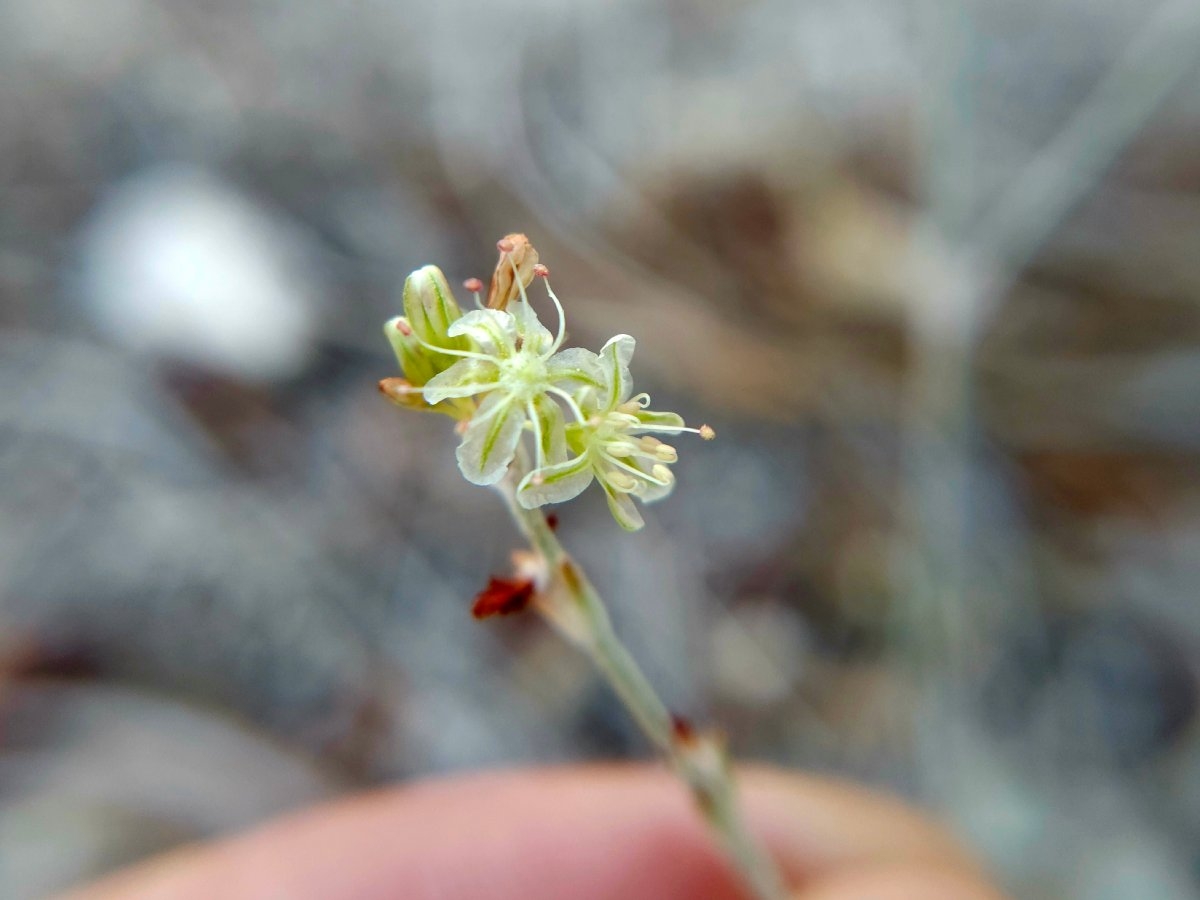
(414, 359)
(400, 392)
(430, 308)
(517, 257)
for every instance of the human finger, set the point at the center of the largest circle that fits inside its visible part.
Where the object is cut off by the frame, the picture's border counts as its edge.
(590, 833)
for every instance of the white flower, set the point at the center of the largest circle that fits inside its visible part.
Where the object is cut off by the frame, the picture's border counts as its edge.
(612, 444)
(501, 373)
(518, 371)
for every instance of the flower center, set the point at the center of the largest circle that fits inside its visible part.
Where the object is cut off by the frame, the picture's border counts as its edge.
(525, 372)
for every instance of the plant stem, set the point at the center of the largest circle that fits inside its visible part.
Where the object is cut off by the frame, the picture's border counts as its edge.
(572, 605)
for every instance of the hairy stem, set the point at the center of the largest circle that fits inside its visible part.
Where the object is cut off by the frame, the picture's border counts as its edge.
(572, 605)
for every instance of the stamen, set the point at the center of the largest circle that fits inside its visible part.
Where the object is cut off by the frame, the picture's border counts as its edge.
(516, 272)
(540, 455)
(504, 245)
(621, 481)
(474, 285)
(477, 418)
(635, 404)
(465, 354)
(624, 421)
(574, 407)
(403, 327)
(662, 473)
(666, 453)
(541, 271)
(562, 316)
(705, 432)
(652, 477)
(621, 448)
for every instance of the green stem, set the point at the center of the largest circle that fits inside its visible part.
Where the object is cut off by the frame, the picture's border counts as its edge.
(573, 606)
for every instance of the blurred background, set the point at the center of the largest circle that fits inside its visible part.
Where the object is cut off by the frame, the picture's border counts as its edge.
(931, 269)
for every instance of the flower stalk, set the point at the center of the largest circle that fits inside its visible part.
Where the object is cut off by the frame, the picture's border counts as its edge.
(567, 599)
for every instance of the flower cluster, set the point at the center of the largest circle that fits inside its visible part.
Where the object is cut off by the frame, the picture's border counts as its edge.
(503, 375)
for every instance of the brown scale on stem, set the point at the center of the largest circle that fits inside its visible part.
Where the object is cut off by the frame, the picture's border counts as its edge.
(571, 576)
(503, 597)
(682, 729)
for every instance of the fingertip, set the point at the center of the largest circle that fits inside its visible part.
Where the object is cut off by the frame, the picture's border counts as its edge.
(900, 882)
(815, 824)
(595, 832)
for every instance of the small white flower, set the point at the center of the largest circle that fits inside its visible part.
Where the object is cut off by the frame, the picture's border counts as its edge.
(501, 373)
(518, 371)
(612, 444)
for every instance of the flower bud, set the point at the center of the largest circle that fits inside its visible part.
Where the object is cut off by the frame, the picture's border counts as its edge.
(430, 309)
(414, 359)
(515, 252)
(400, 391)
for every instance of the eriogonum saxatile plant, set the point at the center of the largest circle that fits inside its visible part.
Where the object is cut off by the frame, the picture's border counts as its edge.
(506, 378)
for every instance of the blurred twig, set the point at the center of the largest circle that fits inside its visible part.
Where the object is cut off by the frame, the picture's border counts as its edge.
(1047, 189)
(943, 595)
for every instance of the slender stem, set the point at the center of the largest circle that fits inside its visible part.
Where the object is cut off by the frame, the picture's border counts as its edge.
(573, 606)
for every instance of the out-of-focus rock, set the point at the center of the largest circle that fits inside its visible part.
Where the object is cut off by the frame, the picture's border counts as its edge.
(92, 777)
(180, 264)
